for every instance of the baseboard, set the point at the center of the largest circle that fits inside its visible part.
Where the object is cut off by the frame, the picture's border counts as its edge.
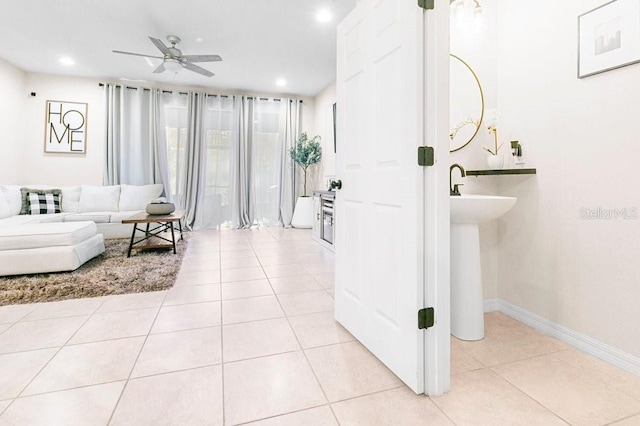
(491, 305)
(580, 341)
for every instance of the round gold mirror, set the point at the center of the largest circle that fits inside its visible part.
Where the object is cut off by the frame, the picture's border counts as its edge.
(466, 104)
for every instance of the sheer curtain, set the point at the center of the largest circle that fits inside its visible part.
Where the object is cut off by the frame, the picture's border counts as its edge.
(199, 131)
(219, 135)
(268, 161)
(225, 160)
(135, 141)
(264, 176)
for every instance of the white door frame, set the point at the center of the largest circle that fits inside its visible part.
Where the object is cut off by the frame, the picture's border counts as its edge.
(437, 207)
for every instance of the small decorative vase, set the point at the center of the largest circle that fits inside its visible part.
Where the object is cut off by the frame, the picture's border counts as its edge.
(160, 209)
(495, 162)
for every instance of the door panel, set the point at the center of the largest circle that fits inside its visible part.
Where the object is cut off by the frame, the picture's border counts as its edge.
(379, 236)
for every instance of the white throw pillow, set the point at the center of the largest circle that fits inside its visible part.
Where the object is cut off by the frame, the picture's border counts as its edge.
(13, 196)
(5, 211)
(70, 199)
(99, 198)
(136, 197)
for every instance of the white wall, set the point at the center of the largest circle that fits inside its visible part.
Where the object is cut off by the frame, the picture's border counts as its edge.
(12, 125)
(63, 169)
(582, 136)
(324, 127)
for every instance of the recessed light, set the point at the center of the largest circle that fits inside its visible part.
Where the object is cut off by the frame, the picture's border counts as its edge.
(323, 15)
(199, 39)
(65, 60)
(281, 82)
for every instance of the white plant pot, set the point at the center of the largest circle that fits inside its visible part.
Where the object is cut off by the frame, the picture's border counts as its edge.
(495, 162)
(303, 213)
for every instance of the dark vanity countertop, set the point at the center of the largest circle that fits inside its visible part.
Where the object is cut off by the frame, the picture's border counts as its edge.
(522, 171)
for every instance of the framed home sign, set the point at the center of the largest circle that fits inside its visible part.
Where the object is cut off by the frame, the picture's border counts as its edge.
(65, 127)
(609, 37)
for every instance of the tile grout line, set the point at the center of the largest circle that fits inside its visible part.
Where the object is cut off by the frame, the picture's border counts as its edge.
(440, 408)
(615, 422)
(133, 366)
(54, 355)
(275, 416)
(523, 392)
(304, 354)
(224, 411)
(606, 386)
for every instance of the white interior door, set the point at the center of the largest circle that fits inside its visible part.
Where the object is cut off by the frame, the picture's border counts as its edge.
(391, 238)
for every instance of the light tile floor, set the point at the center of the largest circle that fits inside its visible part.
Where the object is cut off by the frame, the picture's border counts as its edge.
(247, 336)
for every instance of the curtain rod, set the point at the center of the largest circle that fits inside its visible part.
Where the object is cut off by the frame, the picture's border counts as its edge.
(208, 94)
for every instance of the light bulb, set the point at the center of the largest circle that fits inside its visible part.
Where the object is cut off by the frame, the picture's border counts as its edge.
(172, 65)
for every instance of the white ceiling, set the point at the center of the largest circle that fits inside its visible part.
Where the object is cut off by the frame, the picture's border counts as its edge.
(260, 41)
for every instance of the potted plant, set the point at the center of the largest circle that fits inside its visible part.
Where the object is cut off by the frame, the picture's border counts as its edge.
(494, 160)
(305, 153)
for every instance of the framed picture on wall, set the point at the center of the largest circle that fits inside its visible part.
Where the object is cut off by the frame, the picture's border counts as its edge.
(335, 117)
(609, 37)
(65, 129)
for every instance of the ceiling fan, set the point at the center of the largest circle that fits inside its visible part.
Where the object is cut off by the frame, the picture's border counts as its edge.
(174, 60)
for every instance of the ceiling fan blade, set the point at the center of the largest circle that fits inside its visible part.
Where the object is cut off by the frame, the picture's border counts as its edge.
(160, 69)
(197, 69)
(137, 54)
(202, 58)
(160, 45)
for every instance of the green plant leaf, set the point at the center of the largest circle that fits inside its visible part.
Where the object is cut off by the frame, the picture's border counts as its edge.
(306, 152)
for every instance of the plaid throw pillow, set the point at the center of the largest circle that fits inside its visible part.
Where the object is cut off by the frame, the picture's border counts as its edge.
(43, 203)
(26, 203)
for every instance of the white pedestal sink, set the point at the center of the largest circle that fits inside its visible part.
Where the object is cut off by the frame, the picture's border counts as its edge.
(467, 211)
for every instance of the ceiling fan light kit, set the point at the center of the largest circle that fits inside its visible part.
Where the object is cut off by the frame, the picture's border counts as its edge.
(172, 65)
(173, 60)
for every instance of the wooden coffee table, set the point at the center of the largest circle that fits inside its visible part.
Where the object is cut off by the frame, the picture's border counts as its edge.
(152, 238)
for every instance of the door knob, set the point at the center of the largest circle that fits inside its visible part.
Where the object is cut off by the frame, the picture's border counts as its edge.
(336, 184)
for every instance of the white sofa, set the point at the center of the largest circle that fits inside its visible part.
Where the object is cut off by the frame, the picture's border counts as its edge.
(48, 247)
(106, 206)
(55, 242)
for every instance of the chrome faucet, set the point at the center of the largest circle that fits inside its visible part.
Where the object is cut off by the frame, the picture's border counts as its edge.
(453, 189)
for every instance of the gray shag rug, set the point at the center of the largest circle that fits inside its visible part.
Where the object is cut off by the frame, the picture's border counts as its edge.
(109, 273)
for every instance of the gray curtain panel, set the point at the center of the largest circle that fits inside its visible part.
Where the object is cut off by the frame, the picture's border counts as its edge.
(135, 139)
(194, 182)
(290, 132)
(244, 201)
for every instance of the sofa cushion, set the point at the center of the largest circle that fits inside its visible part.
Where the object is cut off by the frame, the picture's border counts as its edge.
(40, 201)
(118, 216)
(134, 197)
(50, 259)
(23, 219)
(48, 218)
(5, 211)
(97, 217)
(70, 198)
(99, 198)
(12, 196)
(45, 235)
